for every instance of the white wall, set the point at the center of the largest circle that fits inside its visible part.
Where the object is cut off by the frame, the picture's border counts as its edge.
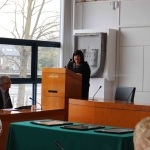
(95, 83)
(134, 48)
(99, 16)
(132, 20)
(66, 32)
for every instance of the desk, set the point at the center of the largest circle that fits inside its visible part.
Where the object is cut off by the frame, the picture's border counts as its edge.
(107, 112)
(8, 117)
(27, 136)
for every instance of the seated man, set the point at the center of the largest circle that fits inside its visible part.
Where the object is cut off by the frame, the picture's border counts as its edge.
(5, 84)
(142, 135)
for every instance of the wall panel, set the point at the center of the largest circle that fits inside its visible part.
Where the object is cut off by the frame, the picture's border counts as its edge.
(131, 67)
(133, 13)
(135, 36)
(96, 15)
(142, 97)
(146, 81)
(78, 17)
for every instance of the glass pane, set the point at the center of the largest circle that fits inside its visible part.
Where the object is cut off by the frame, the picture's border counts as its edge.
(38, 95)
(47, 57)
(32, 19)
(21, 97)
(18, 97)
(15, 61)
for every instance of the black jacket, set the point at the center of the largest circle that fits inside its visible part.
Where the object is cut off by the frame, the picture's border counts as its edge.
(8, 103)
(83, 69)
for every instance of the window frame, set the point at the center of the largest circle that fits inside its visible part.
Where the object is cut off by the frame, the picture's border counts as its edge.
(34, 80)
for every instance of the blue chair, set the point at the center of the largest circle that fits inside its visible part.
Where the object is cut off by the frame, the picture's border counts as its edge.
(125, 94)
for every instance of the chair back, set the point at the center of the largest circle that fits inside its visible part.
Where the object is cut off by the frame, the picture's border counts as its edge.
(125, 94)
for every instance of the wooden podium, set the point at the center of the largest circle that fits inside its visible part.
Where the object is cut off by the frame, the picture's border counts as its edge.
(58, 85)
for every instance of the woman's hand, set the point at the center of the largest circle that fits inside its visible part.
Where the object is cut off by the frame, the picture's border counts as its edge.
(79, 73)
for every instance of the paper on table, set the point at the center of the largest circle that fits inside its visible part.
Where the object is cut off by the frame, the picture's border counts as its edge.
(10, 109)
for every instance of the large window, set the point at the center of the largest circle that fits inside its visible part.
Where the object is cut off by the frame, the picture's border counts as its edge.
(15, 60)
(25, 26)
(30, 19)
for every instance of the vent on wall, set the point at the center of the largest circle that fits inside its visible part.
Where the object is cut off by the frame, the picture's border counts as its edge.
(93, 45)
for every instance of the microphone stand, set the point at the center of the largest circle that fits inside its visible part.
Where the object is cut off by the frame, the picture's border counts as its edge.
(58, 144)
(36, 102)
(96, 92)
(68, 63)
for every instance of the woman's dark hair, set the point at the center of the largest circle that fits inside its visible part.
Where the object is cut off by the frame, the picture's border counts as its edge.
(80, 53)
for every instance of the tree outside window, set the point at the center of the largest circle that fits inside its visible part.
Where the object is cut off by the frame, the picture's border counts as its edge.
(28, 19)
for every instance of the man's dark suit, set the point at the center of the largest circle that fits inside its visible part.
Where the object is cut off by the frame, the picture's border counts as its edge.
(8, 103)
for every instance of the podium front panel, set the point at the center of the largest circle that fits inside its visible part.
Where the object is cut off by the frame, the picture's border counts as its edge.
(58, 85)
(53, 84)
(53, 102)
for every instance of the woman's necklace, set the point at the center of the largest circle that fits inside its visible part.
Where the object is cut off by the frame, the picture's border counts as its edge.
(76, 65)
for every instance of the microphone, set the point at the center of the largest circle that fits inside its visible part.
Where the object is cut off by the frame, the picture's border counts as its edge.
(58, 144)
(68, 63)
(5, 103)
(129, 96)
(96, 92)
(36, 102)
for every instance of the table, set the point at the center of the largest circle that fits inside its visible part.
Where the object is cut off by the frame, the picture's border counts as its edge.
(27, 136)
(107, 112)
(7, 117)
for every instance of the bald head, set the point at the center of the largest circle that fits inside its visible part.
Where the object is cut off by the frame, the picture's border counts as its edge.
(142, 135)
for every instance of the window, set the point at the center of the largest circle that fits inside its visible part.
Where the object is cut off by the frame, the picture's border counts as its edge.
(47, 57)
(28, 40)
(34, 19)
(16, 68)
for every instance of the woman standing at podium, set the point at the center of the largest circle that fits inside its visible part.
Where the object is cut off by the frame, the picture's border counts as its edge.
(78, 65)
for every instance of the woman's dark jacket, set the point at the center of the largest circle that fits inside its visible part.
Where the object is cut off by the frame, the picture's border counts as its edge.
(83, 69)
